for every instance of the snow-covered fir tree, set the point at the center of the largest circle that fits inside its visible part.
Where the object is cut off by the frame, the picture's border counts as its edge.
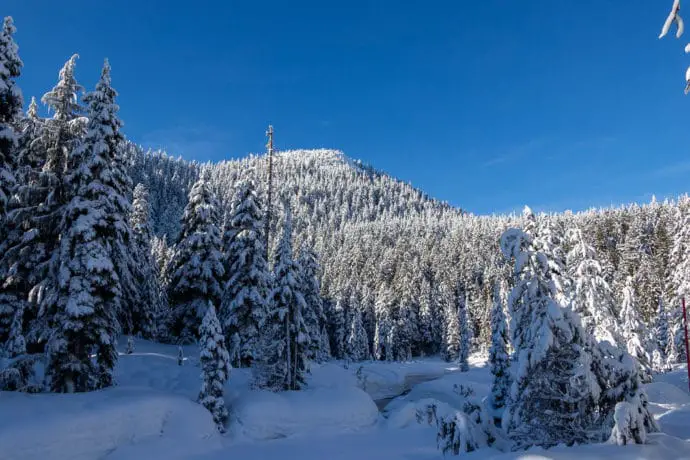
(383, 348)
(10, 112)
(661, 329)
(313, 313)
(285, 343)
(498, 357)
(339, 325)
(554, 394)
(632, 328)
(592, 297)
(357, 348)
(463, 323)
(38, 206)
(452, 338)
(89, 294)
(246, 296)
(148, 311)
(215, 367)
(196, 270)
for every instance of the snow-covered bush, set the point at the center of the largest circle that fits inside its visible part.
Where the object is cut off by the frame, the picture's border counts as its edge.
(629, 427)
(22, 373)
(458, 433)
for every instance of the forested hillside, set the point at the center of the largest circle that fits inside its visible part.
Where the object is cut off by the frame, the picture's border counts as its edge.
(388, 247)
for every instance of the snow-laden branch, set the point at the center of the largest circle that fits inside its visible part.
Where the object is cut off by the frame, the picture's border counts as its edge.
(673, 16)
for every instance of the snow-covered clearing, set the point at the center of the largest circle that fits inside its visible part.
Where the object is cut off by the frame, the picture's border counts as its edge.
(151, 414)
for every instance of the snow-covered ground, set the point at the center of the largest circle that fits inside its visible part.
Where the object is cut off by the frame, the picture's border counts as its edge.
(151, 414)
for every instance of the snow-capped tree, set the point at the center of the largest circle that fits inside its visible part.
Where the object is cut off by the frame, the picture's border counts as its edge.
(671, 351)
(245, 300)
(592, 297)
(283, 364)
(498, 357)
(215, 367)
(451, 339)
(457, 433)
(10, 115)
(554, 393)
(661, 329)
(357, 347)
(465, 332)
(313, 314)
(16, 344)
(89, 296)
(149, 309)
(10, 112)
(383, 346)
(196, 270)
(628, 427)
(632, 328)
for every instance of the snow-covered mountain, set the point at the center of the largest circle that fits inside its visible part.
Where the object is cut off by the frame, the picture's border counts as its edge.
(328, 188)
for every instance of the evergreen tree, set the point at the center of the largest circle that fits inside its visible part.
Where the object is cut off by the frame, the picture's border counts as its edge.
(632, 328)
(325, 348)
(672, 355)
(451, 349)
(37, 214)
(314, 317)
(554, 393)
(498, 358)
(84, 315)
(384, 332)
(10, 113)
(245, 300)
(592, 296)
(149, 308)
(196, 271)
(463, 323)
(339, 326)
(357, 341)
(661, 329)
(286, 342)
(215, 367)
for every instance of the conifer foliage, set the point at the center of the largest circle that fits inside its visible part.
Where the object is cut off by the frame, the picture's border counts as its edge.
(246, 296)
(89, 293)
(215, 367)
(196, 272)
(149, 309)
(498, 357)
(554, 392)
(10, 112)
(286, 339)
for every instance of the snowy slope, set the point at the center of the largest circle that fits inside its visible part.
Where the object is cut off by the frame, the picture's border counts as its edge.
(152, 415)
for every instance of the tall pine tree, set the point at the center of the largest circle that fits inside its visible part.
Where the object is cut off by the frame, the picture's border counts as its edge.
(149, 309)
(84, 316)
(215, 367)
(196, 269)
(10, 114)
(245, 300)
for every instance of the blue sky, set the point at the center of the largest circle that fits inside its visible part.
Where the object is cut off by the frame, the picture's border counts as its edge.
(489, 104)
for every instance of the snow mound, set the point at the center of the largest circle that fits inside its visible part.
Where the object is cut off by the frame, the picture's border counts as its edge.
(443, 391)
(92, 425)
(267, 415)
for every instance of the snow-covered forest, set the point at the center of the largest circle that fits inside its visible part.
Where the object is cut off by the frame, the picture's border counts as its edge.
(103, 241)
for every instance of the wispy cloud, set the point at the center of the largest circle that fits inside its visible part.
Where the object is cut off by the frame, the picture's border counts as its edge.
(193, 142)
(515, 152)
(551, 149)
(674, 169)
